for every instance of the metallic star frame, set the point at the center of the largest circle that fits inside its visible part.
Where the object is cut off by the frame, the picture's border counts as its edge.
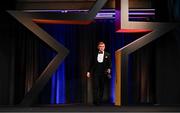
(28, 19)
(157, 29)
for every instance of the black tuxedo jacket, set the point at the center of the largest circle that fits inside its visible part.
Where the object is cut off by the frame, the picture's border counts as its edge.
(106, 63)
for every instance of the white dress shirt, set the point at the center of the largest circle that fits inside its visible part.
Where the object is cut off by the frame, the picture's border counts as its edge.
(100, 57)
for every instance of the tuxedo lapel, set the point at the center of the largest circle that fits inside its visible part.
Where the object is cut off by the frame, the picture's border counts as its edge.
(104, 56)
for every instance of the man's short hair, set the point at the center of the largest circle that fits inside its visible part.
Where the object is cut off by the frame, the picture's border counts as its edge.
(101, 43)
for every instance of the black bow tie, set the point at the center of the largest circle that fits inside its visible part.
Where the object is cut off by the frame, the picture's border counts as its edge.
(100, 52)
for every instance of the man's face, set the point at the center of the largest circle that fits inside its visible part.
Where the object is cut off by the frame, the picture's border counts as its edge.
(101, 47)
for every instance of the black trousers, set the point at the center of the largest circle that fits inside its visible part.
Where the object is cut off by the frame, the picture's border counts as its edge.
(100, 81)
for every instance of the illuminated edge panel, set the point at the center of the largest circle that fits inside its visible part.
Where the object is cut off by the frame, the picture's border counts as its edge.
(133, 31)
(121, 55)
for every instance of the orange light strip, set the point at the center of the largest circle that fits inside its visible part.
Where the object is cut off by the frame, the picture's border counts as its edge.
(79, 22)
(133, 31)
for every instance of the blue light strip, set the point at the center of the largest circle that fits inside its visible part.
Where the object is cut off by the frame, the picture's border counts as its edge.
(52, 89)
(105, 13)
(58, 79)
(61, 85)
(113, 80)
(58, 86)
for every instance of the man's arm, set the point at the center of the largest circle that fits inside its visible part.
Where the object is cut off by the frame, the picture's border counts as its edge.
(109, 65)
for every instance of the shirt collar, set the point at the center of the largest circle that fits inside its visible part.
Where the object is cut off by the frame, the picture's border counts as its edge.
(102, 52)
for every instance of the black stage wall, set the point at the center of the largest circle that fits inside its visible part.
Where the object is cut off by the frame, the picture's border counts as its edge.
(154, 68)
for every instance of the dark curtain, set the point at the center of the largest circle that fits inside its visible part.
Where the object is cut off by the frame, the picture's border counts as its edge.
(142, 77)
(17, 57)
(154, 77)
(154, 69)
(82, 42)
(22, 60)
(168, 63)
(23, 57)
(6, 62)
(6, 55)
(31, 58)
(69, 83)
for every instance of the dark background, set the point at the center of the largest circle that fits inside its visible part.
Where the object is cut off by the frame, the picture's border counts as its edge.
(153, 79)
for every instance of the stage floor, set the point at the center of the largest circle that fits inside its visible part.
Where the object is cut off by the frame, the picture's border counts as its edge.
(91, 108)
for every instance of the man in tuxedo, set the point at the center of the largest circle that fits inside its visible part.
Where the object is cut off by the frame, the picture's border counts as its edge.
(100, 70)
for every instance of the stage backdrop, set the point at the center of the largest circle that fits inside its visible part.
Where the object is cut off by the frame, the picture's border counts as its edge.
(154, 79)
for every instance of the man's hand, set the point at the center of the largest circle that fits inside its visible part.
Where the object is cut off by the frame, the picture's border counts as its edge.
(109, 76)
(108, 71)
(88, 74)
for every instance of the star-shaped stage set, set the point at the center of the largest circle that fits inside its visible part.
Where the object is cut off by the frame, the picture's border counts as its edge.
(153, 31)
